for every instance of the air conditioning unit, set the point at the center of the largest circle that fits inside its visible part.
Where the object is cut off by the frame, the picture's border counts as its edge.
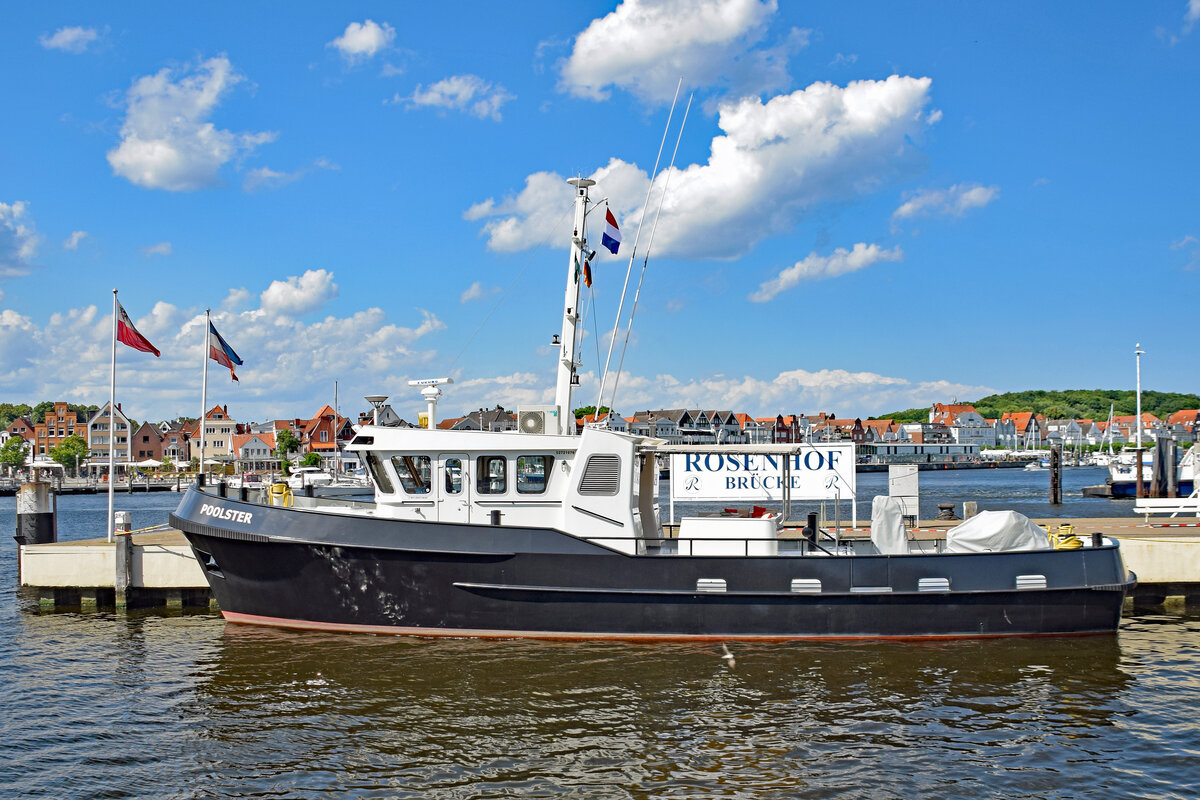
(538, 419)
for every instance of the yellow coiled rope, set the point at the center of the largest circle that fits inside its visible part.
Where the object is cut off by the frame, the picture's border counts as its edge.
(1064, 538)
(281, 495)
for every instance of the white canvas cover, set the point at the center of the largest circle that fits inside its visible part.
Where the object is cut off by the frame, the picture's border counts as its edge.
(887, 526)
(996, 531)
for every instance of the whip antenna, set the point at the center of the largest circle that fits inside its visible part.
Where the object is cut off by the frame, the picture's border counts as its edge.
(633, 253)
(646, 259)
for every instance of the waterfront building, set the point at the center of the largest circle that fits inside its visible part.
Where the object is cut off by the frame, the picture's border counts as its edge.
(146, 444)
(327, 433)
(54, 427)
(1027, 429)
(255, 452)
(753, 431)
(174, 442)
(485, 419)
(880, 430)
(387, 416)
(1127, 425)
(648, 423)
(102, 433)
(1185, 425)
(917, 453)
(21, 426)
(926, 433)
(966, 425)
(219, 429)
(612, 421)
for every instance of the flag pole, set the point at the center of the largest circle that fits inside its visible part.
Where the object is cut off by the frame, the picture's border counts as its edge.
(112, 413)
(203, 394)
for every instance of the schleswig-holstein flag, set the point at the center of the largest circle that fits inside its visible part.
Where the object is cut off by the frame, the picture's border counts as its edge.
(612, 234)
(127, 334)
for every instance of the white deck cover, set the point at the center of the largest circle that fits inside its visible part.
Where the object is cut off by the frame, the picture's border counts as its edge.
(996, 531)
(887, 526)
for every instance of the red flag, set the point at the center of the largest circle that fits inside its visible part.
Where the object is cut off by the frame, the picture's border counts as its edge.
(127, 334)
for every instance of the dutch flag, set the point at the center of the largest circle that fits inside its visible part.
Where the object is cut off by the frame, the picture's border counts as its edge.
(612, 234)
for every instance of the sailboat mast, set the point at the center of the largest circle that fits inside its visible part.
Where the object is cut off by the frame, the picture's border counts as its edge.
(1138, 352)
(566, 354)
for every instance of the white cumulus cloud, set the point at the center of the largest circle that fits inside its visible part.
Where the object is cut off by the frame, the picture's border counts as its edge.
(644, 46)
(475, 291)
(72, 241)
(299, 295)
(289, 371)
(469, 94)
(18, 240)
(167, 139)
(73, 39)
(362, 40)
(817, 267)
(774, 162)
(160, 249)
(955, 201)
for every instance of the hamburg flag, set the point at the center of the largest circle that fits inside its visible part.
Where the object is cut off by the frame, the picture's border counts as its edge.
(220, 351)
(612, 234)
(127, 334)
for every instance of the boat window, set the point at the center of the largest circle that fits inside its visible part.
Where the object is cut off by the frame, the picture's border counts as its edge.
(533, 472)
(413, 472)
(379, 474)
(452, 467)
(491, 475)
(601, 475)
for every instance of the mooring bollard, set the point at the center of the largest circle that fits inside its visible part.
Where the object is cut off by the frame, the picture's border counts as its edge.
(36, 523)
(123, 541)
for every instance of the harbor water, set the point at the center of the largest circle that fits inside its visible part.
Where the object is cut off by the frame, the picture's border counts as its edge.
(156, 705)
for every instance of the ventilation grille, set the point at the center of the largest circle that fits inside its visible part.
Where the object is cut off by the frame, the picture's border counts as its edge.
(806, 585)
(710, 584)
(1031, 581)
(601, 475)
(933, 585)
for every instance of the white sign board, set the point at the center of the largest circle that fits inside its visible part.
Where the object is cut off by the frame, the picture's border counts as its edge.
(818, 472)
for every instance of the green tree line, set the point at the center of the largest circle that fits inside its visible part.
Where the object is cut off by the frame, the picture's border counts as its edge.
(37, 414)
(1068, 404)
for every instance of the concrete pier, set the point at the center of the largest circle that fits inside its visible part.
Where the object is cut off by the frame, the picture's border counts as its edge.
(157, 569)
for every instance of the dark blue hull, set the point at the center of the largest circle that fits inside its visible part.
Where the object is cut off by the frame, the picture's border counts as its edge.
(302, 569)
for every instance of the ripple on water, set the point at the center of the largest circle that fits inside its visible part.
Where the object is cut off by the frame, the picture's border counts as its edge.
(152, 706)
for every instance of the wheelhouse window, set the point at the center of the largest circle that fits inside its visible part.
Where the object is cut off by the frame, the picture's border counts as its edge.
(491, 475)
(452, 468)
(379, 474)
(533, 472)
(413, 472)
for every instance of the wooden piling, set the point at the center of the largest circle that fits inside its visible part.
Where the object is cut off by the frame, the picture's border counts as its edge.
(1056, 474)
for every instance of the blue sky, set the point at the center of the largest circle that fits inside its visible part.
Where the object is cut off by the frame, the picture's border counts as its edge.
(874, 205)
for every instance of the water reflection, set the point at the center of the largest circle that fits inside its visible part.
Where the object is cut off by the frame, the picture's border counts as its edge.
(186, 706)
(479, 718)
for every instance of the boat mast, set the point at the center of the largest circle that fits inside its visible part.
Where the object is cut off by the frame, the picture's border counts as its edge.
(1138, 352)
(566, 354)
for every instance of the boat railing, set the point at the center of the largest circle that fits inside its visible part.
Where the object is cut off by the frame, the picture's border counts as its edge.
(731, 546)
